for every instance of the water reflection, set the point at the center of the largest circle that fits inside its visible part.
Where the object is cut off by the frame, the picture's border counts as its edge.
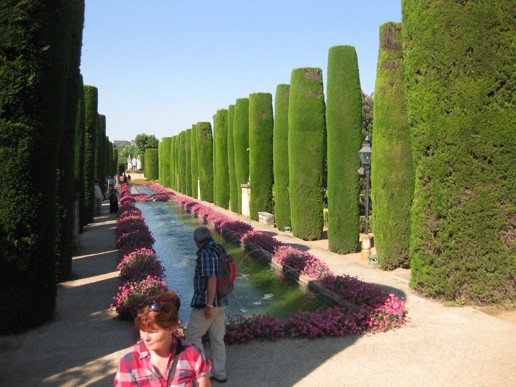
(258, 288)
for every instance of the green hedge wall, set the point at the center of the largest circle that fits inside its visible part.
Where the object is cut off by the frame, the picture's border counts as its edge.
(65, 202)
(79, 154)
(241, 145)
(160, 162)
(261, 125)
(188, 162)
(306, 152)
(220, 152)
(36, 41)
(173, 159)
(459, 71)
(181, 165)
(165, 156)
(151, 164)
(344, 126)
(205, 160)
(280, 157)
(233, 191)
(392, 174)
(194, 162)
(90, 140)
(100, 151)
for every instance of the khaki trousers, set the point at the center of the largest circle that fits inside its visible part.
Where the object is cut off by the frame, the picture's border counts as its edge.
(197, 327)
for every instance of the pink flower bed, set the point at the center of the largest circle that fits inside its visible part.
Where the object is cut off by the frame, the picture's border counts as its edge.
(376, 310)
(139, 264)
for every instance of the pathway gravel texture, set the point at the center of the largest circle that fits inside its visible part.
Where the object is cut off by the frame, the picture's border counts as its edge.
(439, 346)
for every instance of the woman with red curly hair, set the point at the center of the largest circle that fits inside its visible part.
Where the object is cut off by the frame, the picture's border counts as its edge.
(160, 358)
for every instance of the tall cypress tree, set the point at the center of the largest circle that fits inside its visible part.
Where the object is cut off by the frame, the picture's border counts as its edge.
(36, 39)
(260, 153)
(79, 154)
(220, 142)
(306, 152)
(233, 192)
(205, 160)
(344, 126)
(392, 174)
(280, 157)
(182, 162)
(165, 179)
(65, 200)
(90, 140)
(241, 145)
(188, 167)
(172, 156)
(460, 90)
(151, 164)
(194, 163)
(160, 162)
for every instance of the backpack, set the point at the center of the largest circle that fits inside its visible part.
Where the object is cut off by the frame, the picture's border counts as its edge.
(226, 273)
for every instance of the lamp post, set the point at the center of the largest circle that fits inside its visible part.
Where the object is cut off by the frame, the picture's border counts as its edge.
(365, 159)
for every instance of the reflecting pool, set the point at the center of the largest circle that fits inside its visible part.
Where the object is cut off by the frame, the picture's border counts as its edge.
(258, 288)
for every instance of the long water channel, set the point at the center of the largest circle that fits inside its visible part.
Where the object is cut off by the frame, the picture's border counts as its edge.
(259, 289)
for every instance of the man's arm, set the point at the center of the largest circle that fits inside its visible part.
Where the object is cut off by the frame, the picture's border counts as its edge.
(210, 297)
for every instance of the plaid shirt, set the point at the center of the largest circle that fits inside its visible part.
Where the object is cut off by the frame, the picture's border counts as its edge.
(135, 368)
(207, 265)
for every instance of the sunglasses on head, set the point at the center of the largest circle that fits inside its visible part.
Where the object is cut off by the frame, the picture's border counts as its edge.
(156, 306)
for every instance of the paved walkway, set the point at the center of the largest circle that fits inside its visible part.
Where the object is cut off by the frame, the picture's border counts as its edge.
(440, 346)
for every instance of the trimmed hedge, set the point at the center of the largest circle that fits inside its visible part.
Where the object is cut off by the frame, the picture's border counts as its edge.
(65, 202)
(260, 153)
(233, 190)
(79, 154)
(241, 145)
(36, 40)
(188, 161)
(90, 141)
(194, 163)
(280, 157)
(220, 158)
(166, 162)
(392, 174)
(151, 164)
(460, 89)
(306, 152)
(344, 126)
(205, 160)
(181, 163)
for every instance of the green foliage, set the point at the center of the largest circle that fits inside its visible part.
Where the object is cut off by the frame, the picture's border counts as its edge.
(173, 157)
(36, 41)
(367, 115)
(241, 145)
(233, 189)
(165, 158)
(188, 161)
(459, 95)
(344, 125)
(306, 152)
(220, 159)
(182, 162)
(194, 163)
(280, 157)
(90, 141)
(145, 141)
(392, 174)
(205, 160)
(79, 154)
(260, 153)
(100, 150)
(151, 164)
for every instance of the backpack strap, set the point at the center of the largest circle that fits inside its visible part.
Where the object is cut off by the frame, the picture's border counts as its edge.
(179, 349)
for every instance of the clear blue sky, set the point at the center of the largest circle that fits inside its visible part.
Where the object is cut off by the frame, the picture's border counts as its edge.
(163, 65)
